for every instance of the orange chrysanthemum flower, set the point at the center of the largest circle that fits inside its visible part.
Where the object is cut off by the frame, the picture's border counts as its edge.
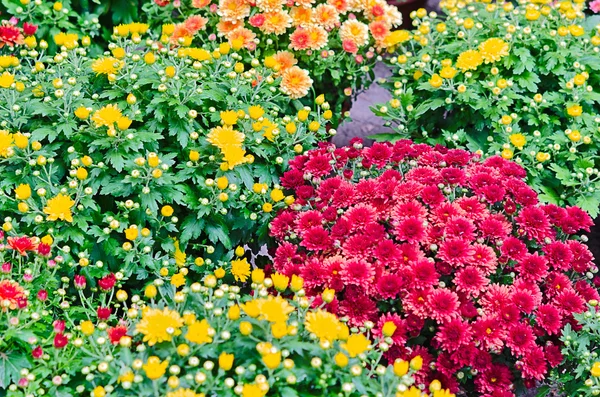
(317, 37)
(276, 22)
(301, 16)
(299, 40)
(379, 30)
(285, 59)
(270, 5)
(242, 34)
(356, 31)
(340, 5)
(326, 16)
(295, 82)
(233, 10)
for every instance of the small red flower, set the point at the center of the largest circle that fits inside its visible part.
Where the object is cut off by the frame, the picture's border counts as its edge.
(116, 333)
(37, 353)
(103, 313)
(21, 244)
(80, 281)
(44, 249)
(59, 326)
(42, 295)
(107, 282)
(29, 29)
(60, 341)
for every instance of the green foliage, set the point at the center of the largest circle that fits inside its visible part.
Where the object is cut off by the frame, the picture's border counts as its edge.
(125, 144)
(580, 372)
(515, 102)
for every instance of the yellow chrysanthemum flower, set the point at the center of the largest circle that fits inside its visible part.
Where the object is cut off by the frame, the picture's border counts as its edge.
(323, 324)
(6, 141)
(198, 332)
(253, 391)
(493, 49)
(154, 368)
(224, 136)
(469, 60)
(107, 116)
(518, 140)
(356, 344)
(240, 268)
(6, 80)
(274, 309)
(23, 191)
(59, 207)
(106, 65)
(179, 255)
(7, 61)
(159, 325)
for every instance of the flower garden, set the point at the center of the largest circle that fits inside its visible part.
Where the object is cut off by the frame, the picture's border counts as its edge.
(177, 223)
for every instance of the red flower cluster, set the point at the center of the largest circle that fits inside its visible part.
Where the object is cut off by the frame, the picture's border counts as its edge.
(12, 35)
(456, 252)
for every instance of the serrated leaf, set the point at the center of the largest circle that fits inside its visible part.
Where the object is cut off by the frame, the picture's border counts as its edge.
(218, 233)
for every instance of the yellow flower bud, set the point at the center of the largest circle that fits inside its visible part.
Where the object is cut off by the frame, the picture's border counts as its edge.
(166, 210)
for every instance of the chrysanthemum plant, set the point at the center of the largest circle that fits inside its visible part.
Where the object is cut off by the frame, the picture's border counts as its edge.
(337, 41)
(520, 82)
(580, 372)
(476, 275)
(180, 339)
(39, 304)
(147, 146)
(49, 19)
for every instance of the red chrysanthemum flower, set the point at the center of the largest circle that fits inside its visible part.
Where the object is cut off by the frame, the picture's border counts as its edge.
(389, 286)
(520, 339)
(453, 335)
(456, 252)
(534, 364)
(316, 239)
(21, 244)
(11, 295)
(116, 333)
(359, 273)
(471, 281)
(549, 318)
(443, 304)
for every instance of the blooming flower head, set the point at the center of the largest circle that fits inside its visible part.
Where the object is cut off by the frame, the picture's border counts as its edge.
(158, 325)
(199, 332)
(296, 82)
(59, 207)
(240, 268)
(274, 309)
(356, 344)
(107, 116)
(324, 325)
(11, 295)
(6, 142)
(276, 22)
(356, 31)
(493, 50)
(469, 60)
(154, 368)
(107, 65)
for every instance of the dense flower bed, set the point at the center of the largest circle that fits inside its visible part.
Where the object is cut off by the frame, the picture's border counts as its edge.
(180, 339)
(520, 82)
(148, 146)
(338, 41)
(474, 273)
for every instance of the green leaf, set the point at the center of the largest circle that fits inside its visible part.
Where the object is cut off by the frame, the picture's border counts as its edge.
(191, 228)
(386, 137)
(589, 204)
(288, 392)
(11, 364)
(218, 233)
